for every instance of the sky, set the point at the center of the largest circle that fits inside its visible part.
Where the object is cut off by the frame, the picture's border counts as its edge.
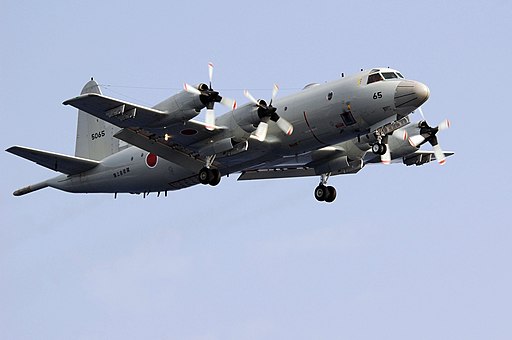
(403, 252)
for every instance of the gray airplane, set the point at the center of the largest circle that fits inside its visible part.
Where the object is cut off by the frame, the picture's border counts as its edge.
(326, 129)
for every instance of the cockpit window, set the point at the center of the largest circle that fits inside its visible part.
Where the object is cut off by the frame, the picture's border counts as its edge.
(389, 75)
(372, 78)
(400, 75)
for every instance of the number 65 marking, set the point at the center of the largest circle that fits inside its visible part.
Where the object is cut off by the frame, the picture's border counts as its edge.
(377, 95)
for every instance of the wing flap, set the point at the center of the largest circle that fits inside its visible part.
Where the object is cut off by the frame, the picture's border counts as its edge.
(276, 173)
(158, 147)
(62, 163)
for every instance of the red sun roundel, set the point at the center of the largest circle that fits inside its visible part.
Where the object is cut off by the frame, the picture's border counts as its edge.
(151, 160)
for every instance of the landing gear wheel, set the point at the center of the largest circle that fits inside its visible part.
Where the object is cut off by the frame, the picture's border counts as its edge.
(379, 149)
(209, 176)
(205, 176)
(321, 192)
(331, 194)
(215, 177)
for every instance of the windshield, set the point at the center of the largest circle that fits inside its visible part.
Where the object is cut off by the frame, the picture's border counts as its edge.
(372, 78)
(389, 75)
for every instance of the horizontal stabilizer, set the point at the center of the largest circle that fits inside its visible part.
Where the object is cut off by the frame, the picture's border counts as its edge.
(62, 163)
(30, 188)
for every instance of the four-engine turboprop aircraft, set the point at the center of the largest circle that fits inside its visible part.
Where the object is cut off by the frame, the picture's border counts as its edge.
(326, 129)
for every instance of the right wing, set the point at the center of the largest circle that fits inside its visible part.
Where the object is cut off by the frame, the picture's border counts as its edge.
(179, 143)
(62, 163)
(114, 111)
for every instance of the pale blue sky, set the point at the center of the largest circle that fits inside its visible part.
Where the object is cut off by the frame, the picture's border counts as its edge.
(403, 253)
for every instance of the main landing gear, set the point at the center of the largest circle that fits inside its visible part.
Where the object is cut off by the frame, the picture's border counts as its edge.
(324, 193)
(207, 175)
(379, 148)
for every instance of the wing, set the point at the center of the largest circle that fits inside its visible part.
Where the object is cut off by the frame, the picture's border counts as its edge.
(62, 163)
(327, 160)
(179, 143)
(117, 112)
(419, 157)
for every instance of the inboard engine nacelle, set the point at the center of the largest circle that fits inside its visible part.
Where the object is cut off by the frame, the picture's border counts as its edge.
(247, 117)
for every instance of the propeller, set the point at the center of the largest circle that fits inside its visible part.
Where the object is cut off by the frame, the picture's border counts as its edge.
(428, 134)
(209, 97)
(385, 158)
(268, 112)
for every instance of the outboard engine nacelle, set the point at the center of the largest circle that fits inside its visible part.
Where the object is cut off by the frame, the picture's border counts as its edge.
(181, 107)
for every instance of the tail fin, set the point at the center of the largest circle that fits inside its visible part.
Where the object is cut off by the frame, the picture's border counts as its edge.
(94, 137)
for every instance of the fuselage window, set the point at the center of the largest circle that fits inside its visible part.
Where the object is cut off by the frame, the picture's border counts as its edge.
(372, 78)
(389, 75)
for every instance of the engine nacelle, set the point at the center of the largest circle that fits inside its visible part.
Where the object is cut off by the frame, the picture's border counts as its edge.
(181, 107)
(247, 117)
(217, 147)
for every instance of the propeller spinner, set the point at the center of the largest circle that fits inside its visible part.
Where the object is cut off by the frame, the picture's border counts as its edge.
(268, 112)
(428, 134)
(209, 97)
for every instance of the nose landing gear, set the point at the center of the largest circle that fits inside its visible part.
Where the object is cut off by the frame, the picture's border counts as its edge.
(324, 193)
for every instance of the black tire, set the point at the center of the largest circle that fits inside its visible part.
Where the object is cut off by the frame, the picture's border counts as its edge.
(376, 148)
(331, 194)
(379, 149)
(383, 149)
(215, 177)
(320, 192)
(205, 176)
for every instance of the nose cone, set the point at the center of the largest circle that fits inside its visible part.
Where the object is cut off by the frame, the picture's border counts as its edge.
(410, 94)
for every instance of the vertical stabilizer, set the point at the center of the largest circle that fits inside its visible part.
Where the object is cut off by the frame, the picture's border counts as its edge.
(94, 137)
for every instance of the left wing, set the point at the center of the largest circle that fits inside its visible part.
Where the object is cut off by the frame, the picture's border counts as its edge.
(418, 157)
(331, 160)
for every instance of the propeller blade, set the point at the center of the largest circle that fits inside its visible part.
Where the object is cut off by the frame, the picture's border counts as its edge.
(191, 89)
(438, 152)
(285, 126)
(261, 131)
(421, 113)
(210, 119)
(386, 157)
(275, 89)
(416, 140)
(228, 102)
(210, 72)
(400, 134)
(445, 124)
(249, 96)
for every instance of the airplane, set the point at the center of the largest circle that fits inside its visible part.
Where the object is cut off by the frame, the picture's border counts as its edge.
(327, 129)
